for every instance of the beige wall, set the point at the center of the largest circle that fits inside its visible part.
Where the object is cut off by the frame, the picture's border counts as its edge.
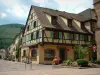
(77, 22)
(97, 33)
(65, 20)
(48, 17)
(41, 53)
(69, 52)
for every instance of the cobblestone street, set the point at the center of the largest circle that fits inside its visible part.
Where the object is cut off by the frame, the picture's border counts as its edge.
(17, 68)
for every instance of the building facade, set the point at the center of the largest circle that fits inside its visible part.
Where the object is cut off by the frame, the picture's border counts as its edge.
(49, 33)
(3, 53)
(15, 48)
(97, 32)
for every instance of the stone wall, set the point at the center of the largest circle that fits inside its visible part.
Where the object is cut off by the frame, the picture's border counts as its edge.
(97, 32)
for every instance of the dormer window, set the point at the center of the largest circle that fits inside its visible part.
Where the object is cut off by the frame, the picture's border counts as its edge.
(82, 25)
(69, 22)
(54, 20)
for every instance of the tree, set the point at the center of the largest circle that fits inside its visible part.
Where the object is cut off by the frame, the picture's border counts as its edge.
(81, 51)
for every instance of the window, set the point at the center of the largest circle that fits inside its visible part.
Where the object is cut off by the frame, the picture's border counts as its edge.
(69, 22)
(72, 36)
(40, 33)
(28, 37)
(55, 35)
(37, 35)
(34, 53)
(89, 37)
(86, 37)
(34, 35)
(54, 20)
(75, 36)
(31, 36)
(68, 36)
(34, 24)
(49, 54)
(60, 35)
(82, 25)
(82, 37)
(24, 53)
(51, 34)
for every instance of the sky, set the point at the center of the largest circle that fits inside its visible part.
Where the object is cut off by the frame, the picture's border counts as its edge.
(16, 11)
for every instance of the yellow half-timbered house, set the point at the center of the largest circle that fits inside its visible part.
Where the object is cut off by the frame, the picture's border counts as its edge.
(50, 33)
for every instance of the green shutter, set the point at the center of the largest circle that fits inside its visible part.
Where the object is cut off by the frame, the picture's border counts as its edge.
(75, 36)
(34, 35)
(82, 37)
(51, 34)
(60, 35)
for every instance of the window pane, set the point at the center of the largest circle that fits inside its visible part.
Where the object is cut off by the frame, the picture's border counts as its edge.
(60, 35)
(31, 36)
(51, 34)
(34, 53)
(49, 54)
(34, 24)
(68, 36)
(40, 33)
(37, 35)
(81, 37)
(55, 35)
(75, 36)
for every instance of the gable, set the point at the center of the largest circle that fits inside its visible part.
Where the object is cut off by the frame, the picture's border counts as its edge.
(32, 23)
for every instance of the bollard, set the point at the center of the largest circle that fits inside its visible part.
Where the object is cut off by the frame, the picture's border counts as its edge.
(25, 65)
(31, 65)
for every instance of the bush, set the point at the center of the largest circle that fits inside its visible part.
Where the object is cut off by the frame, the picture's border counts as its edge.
(67, 62)
(82, 62)
(97, 62)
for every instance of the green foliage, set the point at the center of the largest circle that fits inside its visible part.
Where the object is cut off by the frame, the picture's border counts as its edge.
(81, 51)
(82, 62)
(97, 62)
(67, 62)
(7, 34)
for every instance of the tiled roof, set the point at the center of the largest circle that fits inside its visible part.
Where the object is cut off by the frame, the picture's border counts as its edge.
(41, 14)
(60, 23)
(88, 14)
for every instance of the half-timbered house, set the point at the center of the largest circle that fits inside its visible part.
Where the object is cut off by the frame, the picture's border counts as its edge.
(50, 33)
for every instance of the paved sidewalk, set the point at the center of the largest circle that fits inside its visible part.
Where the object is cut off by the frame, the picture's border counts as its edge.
(17, 68)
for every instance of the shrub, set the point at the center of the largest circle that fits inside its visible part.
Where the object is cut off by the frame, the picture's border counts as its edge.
(97, 62)
(67, 62)
(82, 62)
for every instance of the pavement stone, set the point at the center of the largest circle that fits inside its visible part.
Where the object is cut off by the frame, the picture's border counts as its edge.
(17, 68)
